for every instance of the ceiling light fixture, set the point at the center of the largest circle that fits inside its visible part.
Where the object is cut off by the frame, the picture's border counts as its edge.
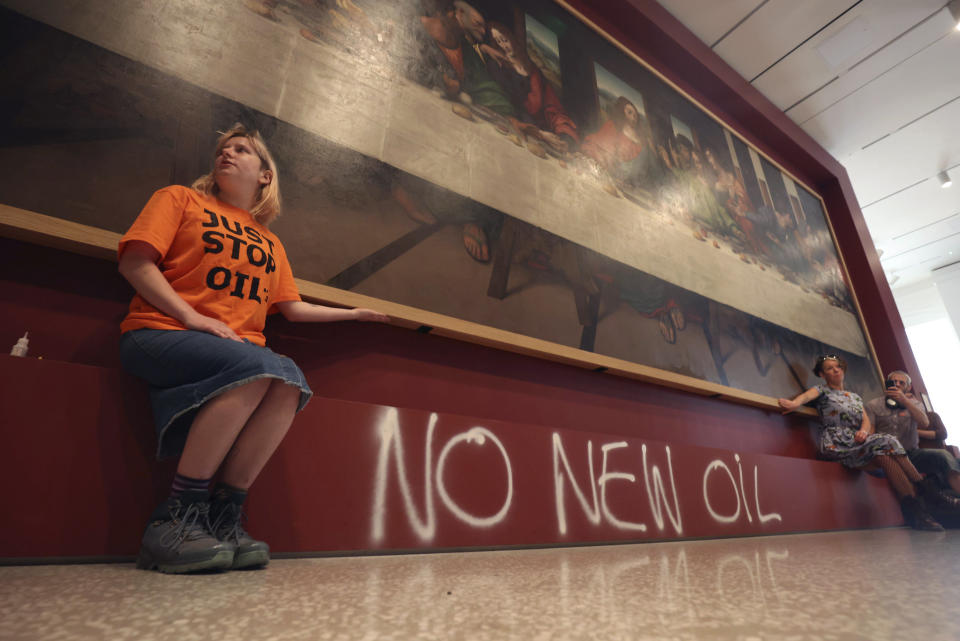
(954, 7)
(944, 179)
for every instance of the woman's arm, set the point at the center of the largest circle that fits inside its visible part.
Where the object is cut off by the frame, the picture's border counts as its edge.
(138, 264)
(299, 311)
(866, 429)
(789, 405)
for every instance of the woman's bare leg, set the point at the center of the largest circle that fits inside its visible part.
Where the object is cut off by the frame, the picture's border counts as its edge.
(261, 435)
(215, 428)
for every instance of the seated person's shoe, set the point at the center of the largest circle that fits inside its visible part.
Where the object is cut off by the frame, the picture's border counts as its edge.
(936, 497)
(178, 538)
(228, 520)
(927, 523)
(916, 515)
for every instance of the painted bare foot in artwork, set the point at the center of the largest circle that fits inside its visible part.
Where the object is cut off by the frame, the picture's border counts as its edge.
(411, 207)
(475, 242)
(311, 35)
(679, 321)
(667, 330)
(263, 8)
(353, 11)
(539, 260)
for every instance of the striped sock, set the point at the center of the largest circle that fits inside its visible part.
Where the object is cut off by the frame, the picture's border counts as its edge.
(182, 483)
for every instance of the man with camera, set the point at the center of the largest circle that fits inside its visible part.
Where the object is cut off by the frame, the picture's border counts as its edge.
(899, 413)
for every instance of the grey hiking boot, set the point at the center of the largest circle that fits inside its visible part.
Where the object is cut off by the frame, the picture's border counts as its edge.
(227, 525)
(178, 538)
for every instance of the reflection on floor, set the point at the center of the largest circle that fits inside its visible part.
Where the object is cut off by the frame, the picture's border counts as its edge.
(870, 585)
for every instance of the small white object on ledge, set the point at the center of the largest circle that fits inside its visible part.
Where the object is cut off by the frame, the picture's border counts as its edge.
(21, 347)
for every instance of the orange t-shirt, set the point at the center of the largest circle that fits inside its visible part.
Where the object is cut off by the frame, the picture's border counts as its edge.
(217, 257)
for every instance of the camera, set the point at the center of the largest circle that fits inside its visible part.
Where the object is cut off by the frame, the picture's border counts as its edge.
(891, 403)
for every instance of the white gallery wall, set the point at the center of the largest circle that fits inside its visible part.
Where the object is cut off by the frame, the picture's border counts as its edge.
(930, 310)
(947, 281)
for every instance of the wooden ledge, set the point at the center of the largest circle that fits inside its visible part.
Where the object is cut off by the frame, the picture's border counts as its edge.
(32, 227)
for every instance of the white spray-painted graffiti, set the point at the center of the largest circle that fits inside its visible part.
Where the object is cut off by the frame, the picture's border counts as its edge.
(738, 491)
(477, 436)
(390, 440)
(659, 484)
(389, 431)
(655, 491)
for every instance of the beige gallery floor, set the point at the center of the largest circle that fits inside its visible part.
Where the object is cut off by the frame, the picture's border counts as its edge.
(869, 585)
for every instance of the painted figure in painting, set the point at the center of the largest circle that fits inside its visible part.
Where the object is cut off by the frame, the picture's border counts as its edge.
(696, 182)
(618, 142)
(731, 191)
(456, 61)
(449, 54)
(533, 97)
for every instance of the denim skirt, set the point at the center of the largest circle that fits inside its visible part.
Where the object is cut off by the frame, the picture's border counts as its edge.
(186, 368)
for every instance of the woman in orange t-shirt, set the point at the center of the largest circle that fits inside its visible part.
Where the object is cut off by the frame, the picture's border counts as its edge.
(207, 270)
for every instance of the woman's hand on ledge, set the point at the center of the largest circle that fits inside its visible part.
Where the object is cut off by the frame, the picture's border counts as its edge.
(790, 404)
(370, 316)
(860, 436)
(787, 405)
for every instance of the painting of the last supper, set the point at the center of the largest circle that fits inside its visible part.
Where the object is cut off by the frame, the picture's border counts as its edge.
(494, 161)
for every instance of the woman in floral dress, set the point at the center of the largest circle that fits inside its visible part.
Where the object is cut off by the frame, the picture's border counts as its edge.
(846, 435)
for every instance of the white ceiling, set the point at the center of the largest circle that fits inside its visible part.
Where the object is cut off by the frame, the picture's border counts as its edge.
(877, 83)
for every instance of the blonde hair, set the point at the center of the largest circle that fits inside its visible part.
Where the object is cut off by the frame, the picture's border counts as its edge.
(267, 205)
